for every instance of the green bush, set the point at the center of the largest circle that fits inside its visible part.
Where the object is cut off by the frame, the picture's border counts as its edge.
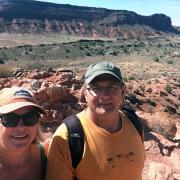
(131, 78)
(156, 59)
(114, 53)
(170, 62)
(88, 54)
(1, 61)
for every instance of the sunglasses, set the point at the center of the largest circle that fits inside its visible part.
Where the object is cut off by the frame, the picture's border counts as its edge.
(12, 120)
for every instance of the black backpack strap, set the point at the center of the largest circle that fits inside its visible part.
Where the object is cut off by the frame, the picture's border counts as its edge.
(132, 116)
(75, 138)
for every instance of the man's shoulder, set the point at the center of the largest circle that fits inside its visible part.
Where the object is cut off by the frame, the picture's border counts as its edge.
(81, 114)
(134, 119)
(61, 131)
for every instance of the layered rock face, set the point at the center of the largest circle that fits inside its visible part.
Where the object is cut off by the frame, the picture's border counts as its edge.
(156, 101)
(40, 17)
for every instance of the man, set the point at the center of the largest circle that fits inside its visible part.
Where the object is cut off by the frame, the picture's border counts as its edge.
(113, 149)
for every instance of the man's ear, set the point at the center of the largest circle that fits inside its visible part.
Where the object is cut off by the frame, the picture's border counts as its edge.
(83, 94)
(123, 88)
(83, 90)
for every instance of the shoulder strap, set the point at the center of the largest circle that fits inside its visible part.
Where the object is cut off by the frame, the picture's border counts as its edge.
(43, 160)
(75, 138)
(132, 116)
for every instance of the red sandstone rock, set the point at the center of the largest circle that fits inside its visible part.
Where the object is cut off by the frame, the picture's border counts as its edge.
(60, 94)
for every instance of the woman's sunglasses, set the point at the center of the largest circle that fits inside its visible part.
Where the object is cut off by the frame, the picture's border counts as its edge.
(12, 120)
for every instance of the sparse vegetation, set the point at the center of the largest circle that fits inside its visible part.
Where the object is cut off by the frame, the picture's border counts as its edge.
(139, 54)
(156, 80)
(168, 89)
(1, 61)
(5, 71)
(169, 62)
(151, 102)
(131, 78)
(156, 59)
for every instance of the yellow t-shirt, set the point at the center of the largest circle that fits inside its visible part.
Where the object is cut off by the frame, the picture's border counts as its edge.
(107, 156)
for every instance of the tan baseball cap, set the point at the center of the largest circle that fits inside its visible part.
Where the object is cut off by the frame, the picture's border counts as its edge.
(14, 98)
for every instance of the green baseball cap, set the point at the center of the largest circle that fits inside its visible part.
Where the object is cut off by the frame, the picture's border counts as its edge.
(100, 68)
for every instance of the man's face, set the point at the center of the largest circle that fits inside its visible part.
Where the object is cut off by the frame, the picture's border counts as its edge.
(104, 95)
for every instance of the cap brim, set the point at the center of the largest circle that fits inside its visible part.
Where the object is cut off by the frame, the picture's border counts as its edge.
(18, 105)
(98, 73)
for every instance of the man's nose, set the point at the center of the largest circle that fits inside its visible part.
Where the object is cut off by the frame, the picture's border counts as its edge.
(104, 92)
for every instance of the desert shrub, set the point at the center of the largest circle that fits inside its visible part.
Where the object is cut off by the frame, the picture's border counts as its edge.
(86, 46)
(88, 54)
(131, 78)
(125, 50)
(81, 47)
(67, 51)
(100, 52)
(166, 129)
(43, 45)
(114, 53)
(164, 73)
(156, 59)
(151, 102)
(5, 71)
(169, 62)
(125, 79)
(1, 61)
(142, 87)
(168, 88)
(156, 81)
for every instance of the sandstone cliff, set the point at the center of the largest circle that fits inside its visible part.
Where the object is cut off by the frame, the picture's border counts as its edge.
(39, 17)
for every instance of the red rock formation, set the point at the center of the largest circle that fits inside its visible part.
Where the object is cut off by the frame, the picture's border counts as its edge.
(157, 102)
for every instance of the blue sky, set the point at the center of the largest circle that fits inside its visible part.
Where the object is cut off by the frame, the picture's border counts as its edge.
(143, 7)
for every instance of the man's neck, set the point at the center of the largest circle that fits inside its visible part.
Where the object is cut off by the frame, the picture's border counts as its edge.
(111, 122)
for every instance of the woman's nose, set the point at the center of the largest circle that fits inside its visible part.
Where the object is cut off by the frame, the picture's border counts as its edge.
(20, 123)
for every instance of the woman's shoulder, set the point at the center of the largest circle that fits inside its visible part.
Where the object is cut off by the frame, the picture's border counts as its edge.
(43, 147)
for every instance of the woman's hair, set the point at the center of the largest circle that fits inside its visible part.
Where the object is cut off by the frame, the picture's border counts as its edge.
(39, 136)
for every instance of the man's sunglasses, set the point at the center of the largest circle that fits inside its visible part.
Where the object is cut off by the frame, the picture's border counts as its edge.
(12, 120)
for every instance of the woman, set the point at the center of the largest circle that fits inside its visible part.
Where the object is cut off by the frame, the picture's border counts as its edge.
(21, 154)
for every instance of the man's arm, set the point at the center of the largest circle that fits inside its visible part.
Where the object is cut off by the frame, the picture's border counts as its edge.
(59, 166)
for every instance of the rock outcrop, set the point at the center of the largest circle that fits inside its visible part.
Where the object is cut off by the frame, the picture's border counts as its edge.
(39, 17)
(156, 101)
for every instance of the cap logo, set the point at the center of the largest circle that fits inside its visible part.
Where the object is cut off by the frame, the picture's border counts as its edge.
(23, 93)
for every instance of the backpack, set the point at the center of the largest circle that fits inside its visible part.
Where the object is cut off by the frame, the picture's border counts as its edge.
(76, 134)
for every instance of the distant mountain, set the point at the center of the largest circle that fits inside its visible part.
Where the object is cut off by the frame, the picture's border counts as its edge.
(28, 16)
(177, 28)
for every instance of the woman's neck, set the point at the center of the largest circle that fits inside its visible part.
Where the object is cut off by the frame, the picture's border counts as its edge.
(15, 160)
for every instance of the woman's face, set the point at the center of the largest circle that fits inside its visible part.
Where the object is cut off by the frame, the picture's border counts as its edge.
(20, 137)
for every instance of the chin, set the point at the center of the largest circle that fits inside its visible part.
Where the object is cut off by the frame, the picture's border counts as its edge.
(21, 145)
(105, 111)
